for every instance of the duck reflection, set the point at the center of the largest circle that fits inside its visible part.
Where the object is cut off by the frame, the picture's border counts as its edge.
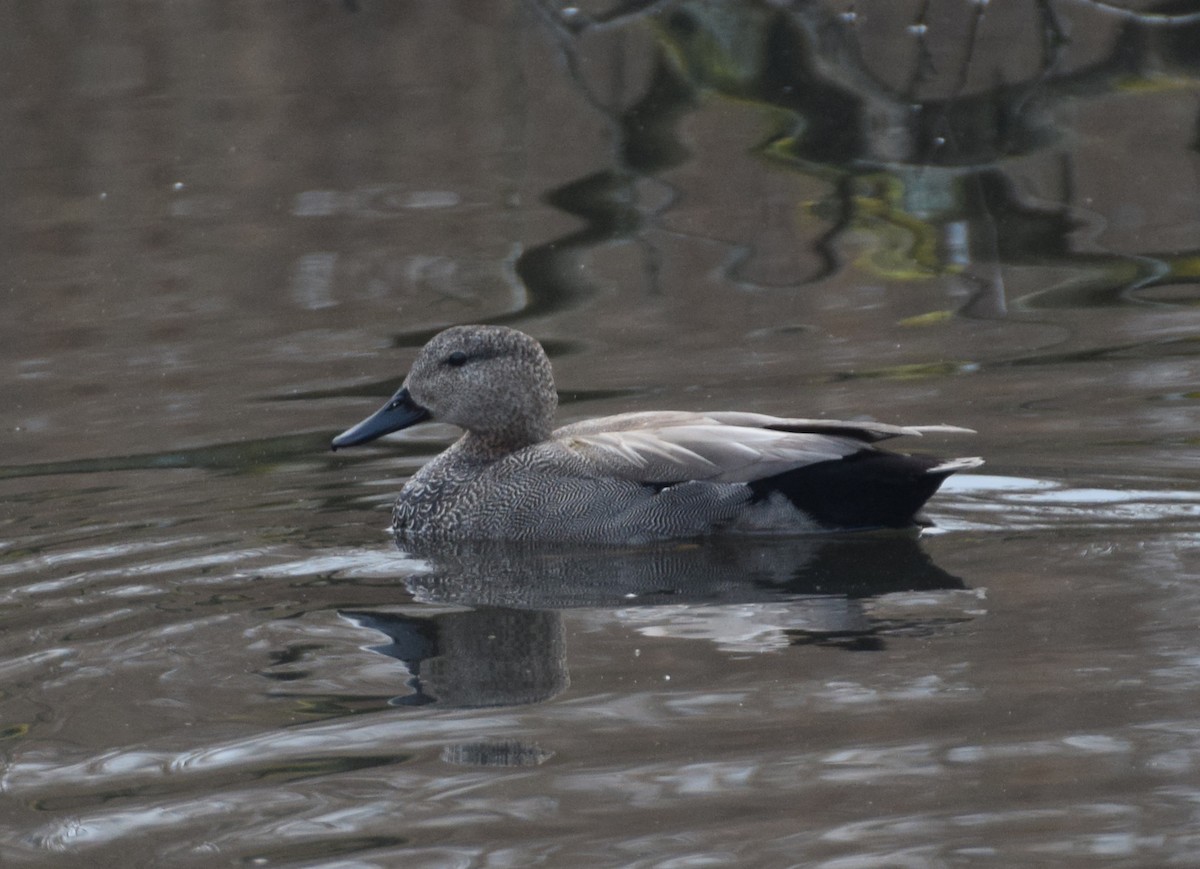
(504, 643)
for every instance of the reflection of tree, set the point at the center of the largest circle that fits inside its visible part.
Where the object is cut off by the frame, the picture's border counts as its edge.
(917, 149)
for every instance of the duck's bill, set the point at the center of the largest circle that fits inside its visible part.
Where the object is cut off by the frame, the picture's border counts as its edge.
(400, 412)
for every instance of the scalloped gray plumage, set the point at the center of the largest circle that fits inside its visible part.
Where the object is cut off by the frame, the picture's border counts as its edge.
(632, 477)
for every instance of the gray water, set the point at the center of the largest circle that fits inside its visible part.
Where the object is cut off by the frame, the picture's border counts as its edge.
(227, 226)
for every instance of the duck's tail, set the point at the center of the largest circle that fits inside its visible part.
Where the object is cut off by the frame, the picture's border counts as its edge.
(953, 466)
(868, 489)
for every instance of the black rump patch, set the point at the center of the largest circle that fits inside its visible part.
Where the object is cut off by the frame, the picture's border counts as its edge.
(867, 489)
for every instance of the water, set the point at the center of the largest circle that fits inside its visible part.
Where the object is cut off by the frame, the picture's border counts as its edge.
(227, 227)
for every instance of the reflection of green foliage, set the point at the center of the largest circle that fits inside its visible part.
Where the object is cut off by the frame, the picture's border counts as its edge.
(14, 731)
(930, 318)
(756, 54)
(716, 46)
(337, 706)
(749, 53)
(1156, 84)
(930, 203)
(1185, 268)
(783, 146)
(1111, 281)
(903, 246)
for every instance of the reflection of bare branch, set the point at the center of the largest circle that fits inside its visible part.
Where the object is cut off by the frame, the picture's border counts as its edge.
(925, 66)
(825, 245)
(1165, 19)
(987, 299)
(565, 35)
(972, 42)
(618, 16)
(569, 27)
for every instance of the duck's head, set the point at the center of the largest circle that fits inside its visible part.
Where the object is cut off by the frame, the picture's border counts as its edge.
(493, 381)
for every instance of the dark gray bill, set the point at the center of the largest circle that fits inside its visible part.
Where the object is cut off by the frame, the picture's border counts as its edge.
(400, 412)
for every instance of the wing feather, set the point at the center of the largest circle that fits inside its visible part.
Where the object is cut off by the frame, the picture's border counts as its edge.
(657, 420)
(726, 447)
(717, 453)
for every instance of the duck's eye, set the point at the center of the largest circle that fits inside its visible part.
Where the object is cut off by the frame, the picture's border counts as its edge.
(457, 359)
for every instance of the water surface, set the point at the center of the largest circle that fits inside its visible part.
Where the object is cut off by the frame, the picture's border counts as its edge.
(226, 229)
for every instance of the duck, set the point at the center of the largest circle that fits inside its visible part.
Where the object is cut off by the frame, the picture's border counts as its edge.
(634, 477)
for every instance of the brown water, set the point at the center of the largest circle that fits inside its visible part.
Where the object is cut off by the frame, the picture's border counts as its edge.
(226, 226)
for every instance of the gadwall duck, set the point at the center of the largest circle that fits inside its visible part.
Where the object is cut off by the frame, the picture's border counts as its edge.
(635, 476)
